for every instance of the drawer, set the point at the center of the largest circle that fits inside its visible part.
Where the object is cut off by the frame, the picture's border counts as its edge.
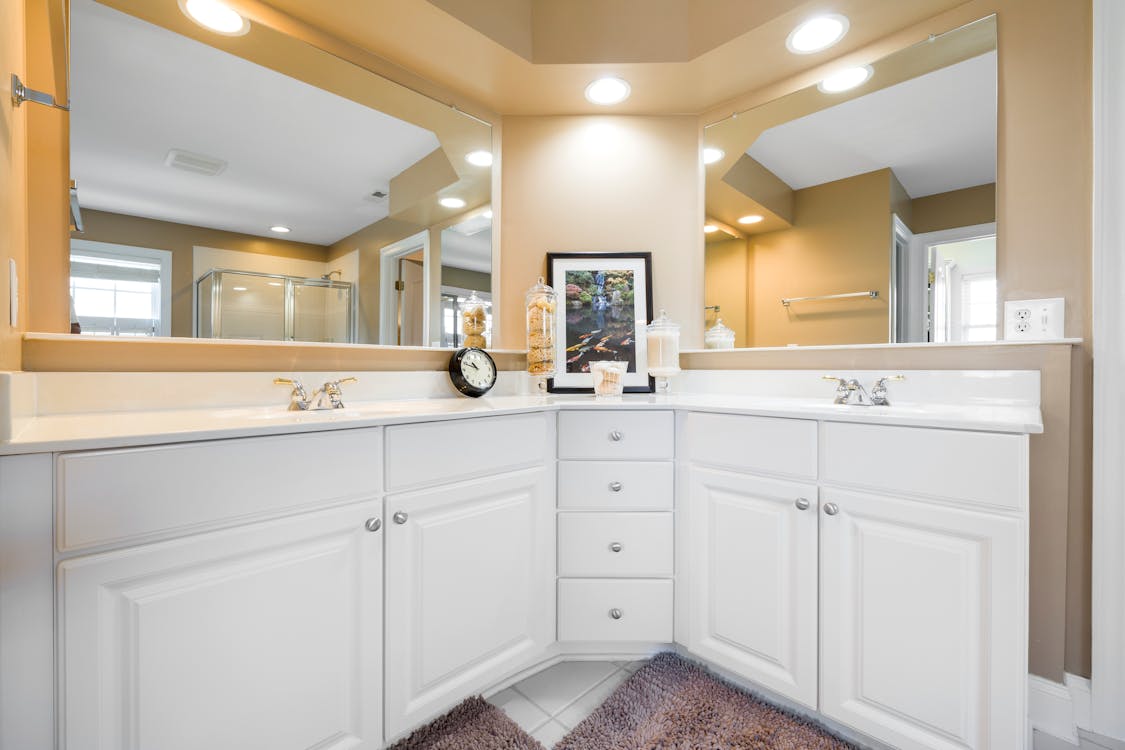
(587, 608)
(116, 495)
(982, 468)
(616, 434)
(615, 545)
(421, 455)
(611, 485)
(760, 444)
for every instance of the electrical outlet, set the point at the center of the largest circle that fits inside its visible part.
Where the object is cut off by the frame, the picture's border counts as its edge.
(1034, 319)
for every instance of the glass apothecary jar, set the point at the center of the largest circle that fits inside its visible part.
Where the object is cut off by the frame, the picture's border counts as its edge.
(663, 338)
(718, 336)
(541, 304)
(474, 322)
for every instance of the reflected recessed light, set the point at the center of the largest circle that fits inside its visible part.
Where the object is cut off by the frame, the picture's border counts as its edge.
(608, 91)
(274, 283)
(215, 16)
(280, 229)
(712, 155)
(845, 79)
(817, 33)
(479, 158)
(751, 219)
(452, 202)
(487, 214)
(239, 288)
(709, 228)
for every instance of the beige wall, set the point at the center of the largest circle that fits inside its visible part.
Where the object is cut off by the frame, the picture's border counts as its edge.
(13, 177)
(957, 208)
(603, 183)
(726, 283)
(461, 277)
(181, 239)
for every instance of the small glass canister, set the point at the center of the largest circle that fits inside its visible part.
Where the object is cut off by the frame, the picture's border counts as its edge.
(474, 322)
(663, 337)
(609, 378)
(718, 336)
(541, 305)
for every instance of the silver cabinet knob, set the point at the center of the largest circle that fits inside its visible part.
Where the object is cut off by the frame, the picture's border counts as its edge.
(802, 503)
(400, 517)
(616, 436)
(616, 547)
(615, 486)
(616, 613)
(831, 509)
(373, 524)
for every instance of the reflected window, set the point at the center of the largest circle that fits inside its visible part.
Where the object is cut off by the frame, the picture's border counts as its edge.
(118, 290)
(978, 307)
(451, 302)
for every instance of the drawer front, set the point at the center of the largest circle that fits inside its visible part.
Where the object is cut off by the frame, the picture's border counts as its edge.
(612, 485)
(423, 455)
(616, 434)
(760, 444)
(981, 468)
(586, 609)
(615, 545)
(112, 496)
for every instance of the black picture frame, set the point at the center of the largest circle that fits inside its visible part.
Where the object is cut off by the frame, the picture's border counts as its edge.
(622, 321)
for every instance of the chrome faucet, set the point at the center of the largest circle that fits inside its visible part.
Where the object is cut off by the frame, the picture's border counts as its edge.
(849, 391)
(879, 390)
(329, 396)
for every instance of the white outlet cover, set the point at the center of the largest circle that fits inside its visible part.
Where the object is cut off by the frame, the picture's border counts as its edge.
(1034, 319)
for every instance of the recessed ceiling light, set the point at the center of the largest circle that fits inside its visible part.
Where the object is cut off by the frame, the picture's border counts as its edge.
(608, 91)
(274, 283)
(712, 155)
(751, 219)
(817, 33)
(709, 228)
(280, 229)
(845, 79)
(487, 214)
(452, 202)
(239, 288)
(215, 16)
(479, 158)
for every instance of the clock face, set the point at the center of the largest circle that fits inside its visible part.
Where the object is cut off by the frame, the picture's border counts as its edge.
(473, 372)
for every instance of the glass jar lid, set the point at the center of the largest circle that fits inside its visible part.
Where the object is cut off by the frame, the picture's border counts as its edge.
(719, 330)
(663, 323)
(540, 289)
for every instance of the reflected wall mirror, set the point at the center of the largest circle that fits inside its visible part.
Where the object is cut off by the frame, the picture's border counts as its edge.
(861, 209)
(252, 186)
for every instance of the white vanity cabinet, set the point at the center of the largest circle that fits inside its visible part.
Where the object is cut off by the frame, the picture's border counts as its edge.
(262, 632)
(470, 559)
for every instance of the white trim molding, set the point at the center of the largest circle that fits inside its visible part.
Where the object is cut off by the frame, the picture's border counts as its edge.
(1108, 590)
(1058, 709)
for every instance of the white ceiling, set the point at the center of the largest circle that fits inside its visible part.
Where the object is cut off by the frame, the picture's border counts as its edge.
(473, 253)
(937, 132)
(298, 155)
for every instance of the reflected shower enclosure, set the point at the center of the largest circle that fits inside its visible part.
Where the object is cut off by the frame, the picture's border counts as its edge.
(259, 306)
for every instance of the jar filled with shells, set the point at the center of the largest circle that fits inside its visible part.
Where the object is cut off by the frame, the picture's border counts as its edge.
(541, 302)
(474, 322)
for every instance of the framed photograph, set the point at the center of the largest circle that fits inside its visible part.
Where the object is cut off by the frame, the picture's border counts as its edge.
(605, 302)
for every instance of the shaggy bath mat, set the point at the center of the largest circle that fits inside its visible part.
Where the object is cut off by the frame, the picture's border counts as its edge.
(474, 724)
(672, 704)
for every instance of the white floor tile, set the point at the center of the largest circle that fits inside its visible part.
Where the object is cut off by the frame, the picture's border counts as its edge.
(633, 666)
(549, 733)
(572, 715)
(556, 688)
(519, 709)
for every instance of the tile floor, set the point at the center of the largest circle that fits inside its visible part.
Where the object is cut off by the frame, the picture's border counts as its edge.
(549, 704)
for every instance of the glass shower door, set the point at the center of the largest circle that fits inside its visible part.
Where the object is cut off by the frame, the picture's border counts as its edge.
(322, 311)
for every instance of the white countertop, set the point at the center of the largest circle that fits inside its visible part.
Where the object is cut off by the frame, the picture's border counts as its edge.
(79, 431)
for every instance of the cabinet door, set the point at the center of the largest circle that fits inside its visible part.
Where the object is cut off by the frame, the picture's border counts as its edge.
(262, 636)
(752, 573)
(923, 622)
(470, 590)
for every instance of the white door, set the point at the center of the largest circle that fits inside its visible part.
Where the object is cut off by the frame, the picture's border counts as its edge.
(470, 590)
(264, 636)
(752, 574)
(412, 296)
(923, 622)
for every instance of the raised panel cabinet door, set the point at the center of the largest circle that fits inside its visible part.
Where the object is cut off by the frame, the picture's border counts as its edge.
(923, 622)
(752, 576)
(263, 636)
(470, 590)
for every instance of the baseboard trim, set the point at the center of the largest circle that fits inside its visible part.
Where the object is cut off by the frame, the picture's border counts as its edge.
(1058, 709)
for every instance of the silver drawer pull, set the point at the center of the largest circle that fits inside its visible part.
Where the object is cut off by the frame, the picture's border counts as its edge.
(616, 486)
(373, 524)
(616, 436)
(615, 613)
(400, 517)
(831, 509)
(802, 503)
(616, 547)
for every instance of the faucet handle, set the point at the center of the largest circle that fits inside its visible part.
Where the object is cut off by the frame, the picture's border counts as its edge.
(300, 397)
(887, 378)
(332, 390)
(840, 381)
(879, 389)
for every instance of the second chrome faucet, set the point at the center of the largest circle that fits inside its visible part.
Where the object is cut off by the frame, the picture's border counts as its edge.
(329, 396)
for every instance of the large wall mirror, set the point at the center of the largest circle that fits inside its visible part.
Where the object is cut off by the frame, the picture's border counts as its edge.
(251, 186)
(861, 209)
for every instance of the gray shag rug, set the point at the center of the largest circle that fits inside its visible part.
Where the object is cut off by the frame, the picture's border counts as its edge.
(474, 724)
(671, 703)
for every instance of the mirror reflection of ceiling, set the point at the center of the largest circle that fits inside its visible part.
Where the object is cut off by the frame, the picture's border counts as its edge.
(468, 244)
(537, 56)
(937, 133)
(142, 92)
